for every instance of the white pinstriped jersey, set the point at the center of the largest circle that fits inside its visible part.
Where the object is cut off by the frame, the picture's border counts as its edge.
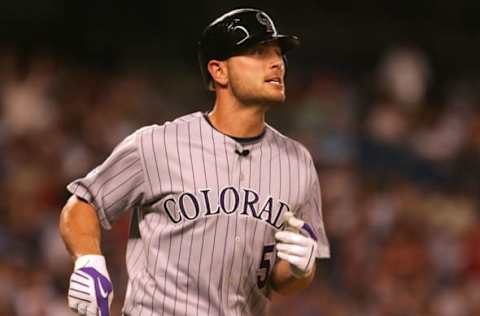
(205, 215)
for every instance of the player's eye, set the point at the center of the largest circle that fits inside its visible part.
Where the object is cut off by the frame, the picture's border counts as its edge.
(278, 51)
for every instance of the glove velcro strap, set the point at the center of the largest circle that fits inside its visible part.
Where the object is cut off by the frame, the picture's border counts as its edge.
(95, 261)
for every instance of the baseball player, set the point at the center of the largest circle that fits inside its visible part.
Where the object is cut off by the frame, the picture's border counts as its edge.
(225, 208)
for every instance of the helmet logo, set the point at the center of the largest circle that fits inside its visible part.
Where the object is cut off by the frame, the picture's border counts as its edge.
(265, 20)
(245, 31)
(233, 27)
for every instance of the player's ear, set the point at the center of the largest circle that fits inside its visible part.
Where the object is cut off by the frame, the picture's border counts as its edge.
(218, 71)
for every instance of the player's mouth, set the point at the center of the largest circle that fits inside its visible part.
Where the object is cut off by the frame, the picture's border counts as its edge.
(276, 81)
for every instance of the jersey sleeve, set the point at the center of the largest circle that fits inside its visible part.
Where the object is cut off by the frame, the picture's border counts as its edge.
(311, 213)
(116, 185)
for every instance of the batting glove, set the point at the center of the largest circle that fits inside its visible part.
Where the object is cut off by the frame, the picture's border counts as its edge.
(91, 291)
(295, 248)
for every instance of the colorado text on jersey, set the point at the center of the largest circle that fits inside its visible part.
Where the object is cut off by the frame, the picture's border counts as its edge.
(187, 206)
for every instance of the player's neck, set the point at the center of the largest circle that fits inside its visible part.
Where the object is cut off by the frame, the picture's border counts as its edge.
(237, 120)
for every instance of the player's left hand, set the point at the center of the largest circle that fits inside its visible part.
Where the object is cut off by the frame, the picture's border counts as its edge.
(295, 248)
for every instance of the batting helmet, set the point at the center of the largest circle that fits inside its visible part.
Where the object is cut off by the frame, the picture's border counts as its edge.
(236, 31)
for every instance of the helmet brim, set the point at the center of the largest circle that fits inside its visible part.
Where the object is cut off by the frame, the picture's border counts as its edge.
(286, 42)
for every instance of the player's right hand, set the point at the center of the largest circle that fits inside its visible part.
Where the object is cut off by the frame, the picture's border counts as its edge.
(90, 292)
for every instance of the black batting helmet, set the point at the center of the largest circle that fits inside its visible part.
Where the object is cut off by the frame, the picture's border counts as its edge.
(236, 31)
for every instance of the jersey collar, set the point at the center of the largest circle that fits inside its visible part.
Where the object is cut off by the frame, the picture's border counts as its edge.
(241, 140)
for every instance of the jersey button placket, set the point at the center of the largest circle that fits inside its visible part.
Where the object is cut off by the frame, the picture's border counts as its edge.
(240, 161)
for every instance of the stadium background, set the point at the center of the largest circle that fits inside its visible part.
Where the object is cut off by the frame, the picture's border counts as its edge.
(385, 95)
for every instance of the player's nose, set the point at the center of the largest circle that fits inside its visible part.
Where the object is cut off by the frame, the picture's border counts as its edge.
(278, 63)
(276, 58)
(278, 66)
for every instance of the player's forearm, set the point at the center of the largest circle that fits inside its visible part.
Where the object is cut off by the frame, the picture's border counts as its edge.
(284, 282)
(80, 228)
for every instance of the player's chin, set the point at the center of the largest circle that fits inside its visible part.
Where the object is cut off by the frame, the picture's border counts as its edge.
(272, 94)
(273, 98)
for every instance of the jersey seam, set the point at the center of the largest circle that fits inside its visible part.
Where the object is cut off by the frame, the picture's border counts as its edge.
(143, 167)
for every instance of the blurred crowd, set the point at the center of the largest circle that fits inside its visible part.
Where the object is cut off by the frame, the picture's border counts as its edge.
(398, 157)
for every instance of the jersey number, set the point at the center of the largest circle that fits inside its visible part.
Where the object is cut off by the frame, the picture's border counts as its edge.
(264, 269)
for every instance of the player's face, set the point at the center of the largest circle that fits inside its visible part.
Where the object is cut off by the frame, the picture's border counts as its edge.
(257, 76)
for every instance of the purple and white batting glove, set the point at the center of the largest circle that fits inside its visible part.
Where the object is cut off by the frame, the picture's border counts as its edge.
(296, 248)
(91, 291)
